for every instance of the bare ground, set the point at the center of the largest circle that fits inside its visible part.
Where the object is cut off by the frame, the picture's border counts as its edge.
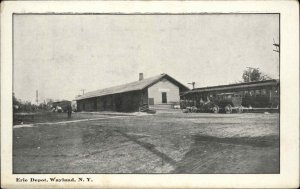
(170, 142)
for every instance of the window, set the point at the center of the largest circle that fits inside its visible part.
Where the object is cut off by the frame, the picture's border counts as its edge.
(257, 92)
(251, 93)
(164, 97)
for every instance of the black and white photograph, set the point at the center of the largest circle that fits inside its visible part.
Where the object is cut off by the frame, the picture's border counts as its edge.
(146, 93)
(157, 93)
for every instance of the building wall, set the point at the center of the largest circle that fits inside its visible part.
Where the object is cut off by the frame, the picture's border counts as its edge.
(124, 102)
(172, 90)
(128, 102)
(106, 103)
(144, 97)
(86, 104)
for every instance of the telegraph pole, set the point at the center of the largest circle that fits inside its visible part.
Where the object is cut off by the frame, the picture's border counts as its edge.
(277, 49)
(82, 91)
(193, 84)
(37, 97)
(277, 46)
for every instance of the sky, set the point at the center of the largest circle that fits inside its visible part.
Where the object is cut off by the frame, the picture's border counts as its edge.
(59, 55)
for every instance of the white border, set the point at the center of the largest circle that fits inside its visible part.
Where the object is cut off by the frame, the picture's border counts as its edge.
(289, 81)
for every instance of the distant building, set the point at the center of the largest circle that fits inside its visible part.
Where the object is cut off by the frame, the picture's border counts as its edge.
(159, 90)
(62, 104)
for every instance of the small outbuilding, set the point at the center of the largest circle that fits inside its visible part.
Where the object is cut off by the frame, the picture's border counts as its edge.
(61, 105)
(161, 90)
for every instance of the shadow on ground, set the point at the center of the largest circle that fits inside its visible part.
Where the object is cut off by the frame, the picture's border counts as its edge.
(249, 155)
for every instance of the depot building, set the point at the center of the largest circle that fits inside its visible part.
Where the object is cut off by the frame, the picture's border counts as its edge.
(160, 90)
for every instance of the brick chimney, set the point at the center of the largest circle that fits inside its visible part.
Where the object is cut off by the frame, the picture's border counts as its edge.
(141, 76)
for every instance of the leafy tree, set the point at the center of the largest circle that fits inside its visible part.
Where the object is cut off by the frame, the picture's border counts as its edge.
(21, 106)
(15, 100)
(254, 74)
(16, 103)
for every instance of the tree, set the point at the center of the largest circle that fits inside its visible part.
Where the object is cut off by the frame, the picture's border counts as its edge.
(15, 100)
(254, 74)
(16, 103)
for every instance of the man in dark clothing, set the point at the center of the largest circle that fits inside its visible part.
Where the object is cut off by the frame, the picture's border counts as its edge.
(69, 110)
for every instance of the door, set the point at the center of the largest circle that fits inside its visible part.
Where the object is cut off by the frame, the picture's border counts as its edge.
(95, 105)
(104, 104)
(164, 97)
(118, 103)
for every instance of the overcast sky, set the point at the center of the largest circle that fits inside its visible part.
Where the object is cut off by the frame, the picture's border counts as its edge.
(60, 54)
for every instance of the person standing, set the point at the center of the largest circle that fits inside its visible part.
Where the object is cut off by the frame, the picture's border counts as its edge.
(69, 110)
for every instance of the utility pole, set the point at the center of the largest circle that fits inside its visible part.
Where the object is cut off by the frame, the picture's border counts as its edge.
(277, 46)
(193, 84)
(37, 97)
(82, 91)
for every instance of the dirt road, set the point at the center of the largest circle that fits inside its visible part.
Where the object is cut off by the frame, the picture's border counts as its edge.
(171, 142)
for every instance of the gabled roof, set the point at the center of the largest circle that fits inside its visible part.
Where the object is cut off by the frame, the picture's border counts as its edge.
(133, 86)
